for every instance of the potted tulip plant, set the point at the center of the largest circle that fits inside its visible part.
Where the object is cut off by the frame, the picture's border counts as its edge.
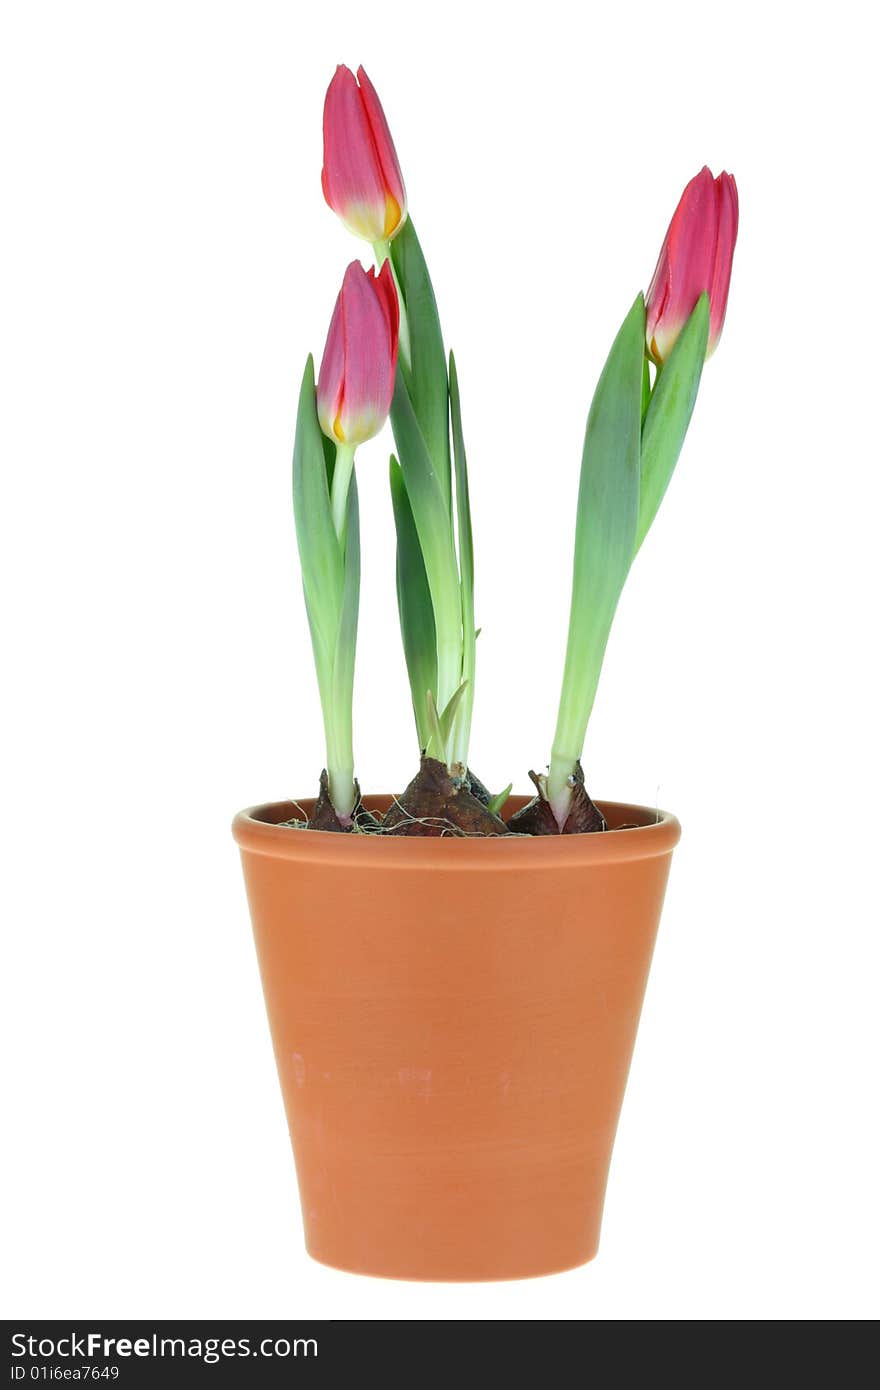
(453, 978)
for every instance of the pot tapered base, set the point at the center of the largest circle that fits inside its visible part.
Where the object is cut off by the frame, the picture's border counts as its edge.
(407, 1275)
(487, 1208)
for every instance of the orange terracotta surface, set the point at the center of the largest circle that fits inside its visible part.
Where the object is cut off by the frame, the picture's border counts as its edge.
(453, 1022)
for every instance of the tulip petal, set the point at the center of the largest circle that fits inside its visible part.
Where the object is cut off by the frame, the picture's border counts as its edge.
(356, 381)
(680, 266)
(331, 377)
(696, 257)
(369, 358)
(387, 296)
(690, 253)
(657, 298)
(352, 178)
(728, 226)
(386, 154)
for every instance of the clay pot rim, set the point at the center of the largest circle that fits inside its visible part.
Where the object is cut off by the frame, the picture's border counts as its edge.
(654, 833)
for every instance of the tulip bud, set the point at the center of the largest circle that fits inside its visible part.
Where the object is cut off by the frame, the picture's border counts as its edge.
(356, 381)
(361, 177)
(697, 256)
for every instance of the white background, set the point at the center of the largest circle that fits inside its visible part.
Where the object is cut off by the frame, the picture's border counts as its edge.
(167, 262)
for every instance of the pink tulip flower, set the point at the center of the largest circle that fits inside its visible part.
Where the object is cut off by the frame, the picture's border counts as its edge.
(361, 177)
(356, 380)
(697, 255)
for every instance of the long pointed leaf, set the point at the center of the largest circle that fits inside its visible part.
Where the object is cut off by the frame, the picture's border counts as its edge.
(320, 556)
(669, 414)
(435, 745)
(466, 568)
(497, 801)
(426, 377)
(434, 530)
(607, 515)
(448, 716)
(414, 606)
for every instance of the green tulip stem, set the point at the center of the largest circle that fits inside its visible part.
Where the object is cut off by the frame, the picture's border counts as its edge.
(339, 489)
(340, 769)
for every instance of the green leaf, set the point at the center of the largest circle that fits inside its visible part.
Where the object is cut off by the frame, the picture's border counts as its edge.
(321, 560)
(607, 516)
(414, 606)
(497, 801)
(435, 745)
(440, 725)
(449, 713)
(465, 566)
(426, 378)
(329, 460)
(669, 414)
(434, 530)
(331, 585)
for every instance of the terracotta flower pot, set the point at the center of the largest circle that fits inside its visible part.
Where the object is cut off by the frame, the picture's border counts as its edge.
(453, 1021)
